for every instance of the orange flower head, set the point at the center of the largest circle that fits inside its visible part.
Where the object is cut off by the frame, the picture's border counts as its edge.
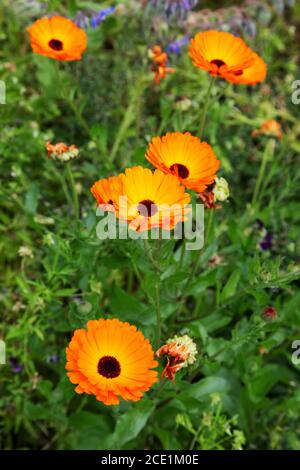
(193, 162)
(180, 351)
(270, 128)
(152, 199)
(160, 60)
(111, 359)
(225, 55)
(61, 151)
(58, 38)
(107, 192)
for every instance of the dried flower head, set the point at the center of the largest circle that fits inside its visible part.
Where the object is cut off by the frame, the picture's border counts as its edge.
(221, 189)
(180, 351)
(269, 128)
(61, 152)
(160, 60)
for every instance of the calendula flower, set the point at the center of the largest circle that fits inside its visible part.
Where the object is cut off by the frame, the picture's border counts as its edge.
(181, 351)
(160, 61)
(193, 162)
(225, 55)
(58, 38)
(152, 199)
(61, 152)
(111, 359)
(107, 192)
(270, 128)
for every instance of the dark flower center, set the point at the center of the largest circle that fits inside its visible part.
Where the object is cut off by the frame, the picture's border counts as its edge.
(109, 367)
(180, 170)
(56, 44)
(218, 62)
(147, 208)
(110, 202)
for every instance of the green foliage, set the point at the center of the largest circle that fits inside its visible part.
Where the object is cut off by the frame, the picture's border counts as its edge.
(243, 390)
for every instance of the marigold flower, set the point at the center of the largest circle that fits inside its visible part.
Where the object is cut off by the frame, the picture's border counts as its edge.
(58, 38)
(180, 351)
(111, 359)
(61, 151)
(152, 199)
(160, 60)
(270, 128)
(107, 192)
(225, 55)
(193, 162)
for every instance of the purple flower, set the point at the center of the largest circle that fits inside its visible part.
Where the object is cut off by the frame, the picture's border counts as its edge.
(175, 46)
(52, 359)
(174, 7)
(266, 242)
(15, 366)
(266, 238)
(101, 15)
(82, 20)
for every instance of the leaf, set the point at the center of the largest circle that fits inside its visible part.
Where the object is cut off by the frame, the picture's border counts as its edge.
(131, 424)
(265, 379)
(127, 307)
(204, 387)
(31, 198)
(231, 285)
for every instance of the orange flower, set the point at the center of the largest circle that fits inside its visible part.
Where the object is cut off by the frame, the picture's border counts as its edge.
(152, 199)
(160, 60)
(107, 192)
(58, 38)
(61, 151)
(270, 128)
(223, 54)
(180, 351)
(111, 359)
(193, 162)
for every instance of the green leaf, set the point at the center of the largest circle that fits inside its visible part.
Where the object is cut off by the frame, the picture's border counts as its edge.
(204, 388)
(31, 198)
(231, 285)
(131, 423)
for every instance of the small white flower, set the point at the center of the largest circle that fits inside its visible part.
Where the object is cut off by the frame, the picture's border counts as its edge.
(24, 252)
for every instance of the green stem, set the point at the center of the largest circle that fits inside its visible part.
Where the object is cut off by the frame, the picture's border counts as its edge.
(209, 223)
(158, 314)
(157, 270)
(73, 188)
(206, 104)
(268, 154)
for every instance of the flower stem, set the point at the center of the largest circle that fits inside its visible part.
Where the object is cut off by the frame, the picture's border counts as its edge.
(206, 104)
(158, 315)
(73, 188)
(268, 154)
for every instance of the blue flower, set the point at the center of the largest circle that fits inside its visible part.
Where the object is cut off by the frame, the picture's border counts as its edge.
(101, 15)
(175, 46)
